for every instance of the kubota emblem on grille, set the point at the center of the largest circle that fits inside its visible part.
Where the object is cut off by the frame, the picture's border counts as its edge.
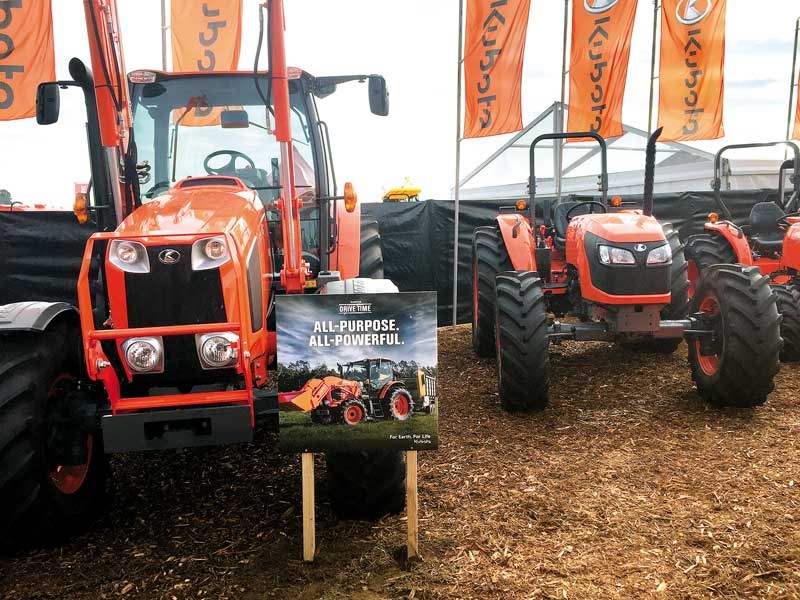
(169, 256)
(640, 247)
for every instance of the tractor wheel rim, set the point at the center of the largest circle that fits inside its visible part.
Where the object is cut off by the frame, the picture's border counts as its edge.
(708, 364)
(69, 479)
(693, 274)
(353, 414)
(400, 406)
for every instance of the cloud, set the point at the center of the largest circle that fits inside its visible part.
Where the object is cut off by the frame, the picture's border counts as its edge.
(751, 83)
(770, 46)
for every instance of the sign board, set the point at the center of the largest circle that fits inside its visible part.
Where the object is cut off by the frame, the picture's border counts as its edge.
(357, 372)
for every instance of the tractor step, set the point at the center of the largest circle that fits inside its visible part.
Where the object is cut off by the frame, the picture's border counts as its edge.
(181, 428)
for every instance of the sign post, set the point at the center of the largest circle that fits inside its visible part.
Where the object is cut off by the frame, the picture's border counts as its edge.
(309, 522)
(412, 504)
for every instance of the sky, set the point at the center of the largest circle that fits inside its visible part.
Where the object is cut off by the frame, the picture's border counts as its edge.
(412, 43)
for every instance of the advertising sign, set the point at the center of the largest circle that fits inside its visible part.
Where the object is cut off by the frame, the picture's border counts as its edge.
(357, 372)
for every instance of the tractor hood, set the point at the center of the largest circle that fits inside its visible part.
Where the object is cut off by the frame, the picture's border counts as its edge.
(197, 206)
(621, 227)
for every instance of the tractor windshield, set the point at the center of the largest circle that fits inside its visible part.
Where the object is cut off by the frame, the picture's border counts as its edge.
(356, 372)
(216, 124)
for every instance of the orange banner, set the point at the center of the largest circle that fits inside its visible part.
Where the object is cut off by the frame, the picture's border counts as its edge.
(601, 47)
(691, 79)
(494, 49)
(27, 56)
(206, 36)
(796, 132)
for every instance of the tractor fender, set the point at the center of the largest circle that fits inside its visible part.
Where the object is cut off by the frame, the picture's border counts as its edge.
(345, 258)
(32, 316)
(736, 238)
(518, 240)
(791, 248)
(389, 387)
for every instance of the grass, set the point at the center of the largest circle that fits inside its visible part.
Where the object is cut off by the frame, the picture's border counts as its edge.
(297, 432)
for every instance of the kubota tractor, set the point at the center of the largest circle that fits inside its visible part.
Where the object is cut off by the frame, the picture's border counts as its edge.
(622, 275)
(214, 193)
(761, 242)
(365, 390)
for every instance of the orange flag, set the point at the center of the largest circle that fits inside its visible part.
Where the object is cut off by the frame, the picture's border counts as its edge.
(493, 52)
(796, 132)
(27, 57)
(601, 47)
(691, 80)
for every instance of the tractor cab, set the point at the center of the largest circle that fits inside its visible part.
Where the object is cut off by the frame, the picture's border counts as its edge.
(372, 373)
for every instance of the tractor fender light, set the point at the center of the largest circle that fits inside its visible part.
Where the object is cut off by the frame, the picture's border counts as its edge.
(660, 256)
(609, 255)
(350, 197)
(144, 354)
(217, 350)
(80, 207)
(129, 256)
(209, 253)
(616, 201)
(713, 218)
(521, 205)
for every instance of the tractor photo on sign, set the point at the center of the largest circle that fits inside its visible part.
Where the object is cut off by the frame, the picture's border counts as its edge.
(357, 372)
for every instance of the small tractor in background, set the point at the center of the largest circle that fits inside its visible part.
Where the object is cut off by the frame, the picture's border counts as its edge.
(623, 276)
(365, 390)
(762, 242)
(211, 193)
(402, 194)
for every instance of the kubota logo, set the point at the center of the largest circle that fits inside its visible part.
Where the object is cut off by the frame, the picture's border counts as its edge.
(169, 256)
(640, 247)
(598, 6)
(690, 12)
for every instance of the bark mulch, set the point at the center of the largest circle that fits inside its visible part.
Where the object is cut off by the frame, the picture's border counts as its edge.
(628, 486)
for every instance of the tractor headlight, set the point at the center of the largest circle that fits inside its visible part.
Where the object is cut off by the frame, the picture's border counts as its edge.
(609, 255)
(129, 256)
(660, 256)
(144, 355)
(209, 253)
(217, 350)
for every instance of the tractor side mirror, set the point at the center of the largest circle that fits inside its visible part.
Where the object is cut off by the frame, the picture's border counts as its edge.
(378, 96)
(48, 103)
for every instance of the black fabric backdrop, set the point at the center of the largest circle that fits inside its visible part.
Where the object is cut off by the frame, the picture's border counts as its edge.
(417, 238)
(42, 251)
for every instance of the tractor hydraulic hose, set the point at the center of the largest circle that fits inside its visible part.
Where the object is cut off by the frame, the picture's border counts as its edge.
(650, 172)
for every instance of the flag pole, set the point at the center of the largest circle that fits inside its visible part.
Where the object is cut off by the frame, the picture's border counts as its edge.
(563, 100)
(164, 35)
(792, 81)
(656, 9)
(458, 158)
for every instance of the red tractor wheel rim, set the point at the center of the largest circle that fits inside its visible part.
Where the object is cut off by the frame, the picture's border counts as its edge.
(401, 406)
(353, 414)
(68, 479)
(693, 274)
(709, 364)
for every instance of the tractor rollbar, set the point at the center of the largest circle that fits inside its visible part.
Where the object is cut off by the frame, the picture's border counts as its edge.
(717, 182)
(546, 206)
(791, 204)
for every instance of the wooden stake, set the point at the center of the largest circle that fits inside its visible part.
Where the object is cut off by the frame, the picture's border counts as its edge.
(309, 541)
(412, 503)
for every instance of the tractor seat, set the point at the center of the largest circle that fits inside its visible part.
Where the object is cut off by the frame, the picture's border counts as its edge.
(765, 234)
(560, 222)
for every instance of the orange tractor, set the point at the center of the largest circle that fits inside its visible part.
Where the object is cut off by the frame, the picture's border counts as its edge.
(623, 277)
(212, 193)
(768, 241)
(365, 390)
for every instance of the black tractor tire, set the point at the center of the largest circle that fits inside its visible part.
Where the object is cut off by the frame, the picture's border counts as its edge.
(678, 308)
(32, 508)
(742, 374)
(371, 261)
(710, 248)
(522, 341)
(395, 396)
(366, 485)
(489, 257)
(353, 412)
(789, 308)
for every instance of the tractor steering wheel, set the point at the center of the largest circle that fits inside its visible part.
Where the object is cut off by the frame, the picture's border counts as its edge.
(230, 167)
(591, 203)
(784, 220)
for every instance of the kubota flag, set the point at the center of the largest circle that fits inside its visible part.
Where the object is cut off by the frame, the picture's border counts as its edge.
(691, 79)
(494, 49)
(206, 36)
(601, 47)
(796, 132)
(27, 56)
